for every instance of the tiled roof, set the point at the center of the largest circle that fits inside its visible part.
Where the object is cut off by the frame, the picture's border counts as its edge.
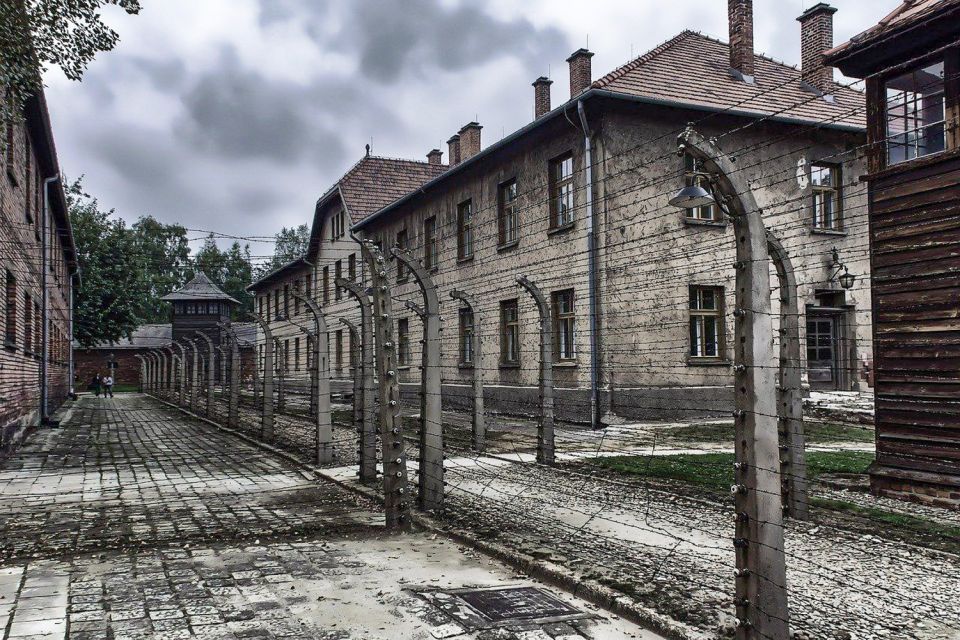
(200, 288)
(693, 69)
(374, 182)
(294, 266)
(908, 12)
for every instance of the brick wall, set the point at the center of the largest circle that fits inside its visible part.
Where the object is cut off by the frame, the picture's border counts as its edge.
(24, 163)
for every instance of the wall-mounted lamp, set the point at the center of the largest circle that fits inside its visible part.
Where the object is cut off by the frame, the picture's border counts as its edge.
(691, 197)
(847, 279)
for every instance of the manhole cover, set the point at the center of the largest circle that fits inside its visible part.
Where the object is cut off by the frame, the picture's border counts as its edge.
(501, 606)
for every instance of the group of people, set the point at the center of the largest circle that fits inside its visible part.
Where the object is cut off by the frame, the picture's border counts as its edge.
(104, 384)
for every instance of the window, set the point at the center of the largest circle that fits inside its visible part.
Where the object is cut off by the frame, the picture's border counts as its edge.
(915, 112)
(307, 288)
(338, 353)
(286, 300)
(509, 332)
(430, 243)
(706, 322)
(508, 220)
(27, 323)
(465, 230)
(286, 355)
(338, 225)
(403, 342)
(276, 303)
(401, 244)
(326, 285)
(10, 323)
(825, 181)
(260, 301)
(337, 274)
(563, 325)
(28, 179)
(352, 266)
(561, 191)
(694, 175)
(466, 336)
(296, 354)
(296, 300)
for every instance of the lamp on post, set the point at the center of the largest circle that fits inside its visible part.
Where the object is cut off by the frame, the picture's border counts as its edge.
(692, 196)
(847, 279)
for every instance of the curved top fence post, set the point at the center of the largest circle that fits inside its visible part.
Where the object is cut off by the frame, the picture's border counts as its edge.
(545, 434)
(479, 430)
(266, 420)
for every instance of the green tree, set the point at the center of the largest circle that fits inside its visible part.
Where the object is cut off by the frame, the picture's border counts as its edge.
(230, 270)
(290, 244)
(164, 254)
(108, 303)
(38, 34)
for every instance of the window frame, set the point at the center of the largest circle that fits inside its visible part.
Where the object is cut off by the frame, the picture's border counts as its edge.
(337, 274)
(699, 315)
(818, 191)
(466, 328)
(403, 342)
(430, 244)
(559, 320)
(562, 188)
(10, 312)
(296, 354)
(326, 284)
(401, 242)
(508, 234)
(465, 235)
(886, 98)
(510, 333)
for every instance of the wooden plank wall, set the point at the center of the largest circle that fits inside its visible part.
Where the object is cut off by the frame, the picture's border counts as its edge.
(915, 235)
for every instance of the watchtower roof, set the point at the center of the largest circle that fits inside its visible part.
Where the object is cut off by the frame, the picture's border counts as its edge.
(199, 288)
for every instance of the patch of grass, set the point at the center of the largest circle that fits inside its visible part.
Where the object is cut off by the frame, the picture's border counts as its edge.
(715, 470)
(816, 432)
(903, 521)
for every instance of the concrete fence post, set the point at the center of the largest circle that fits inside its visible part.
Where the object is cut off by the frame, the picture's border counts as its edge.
(364, 374)
(194, 373)
(234, 401)
(143, 373)
(164, 370)
(546, 452)
(479, 427)
(396, 499)
(211, 370)
(760, 577)
(182, 374)
(321, 382)
(171, 372)
(266, 418)
(793, 456)
(431, 430)
(280, 364)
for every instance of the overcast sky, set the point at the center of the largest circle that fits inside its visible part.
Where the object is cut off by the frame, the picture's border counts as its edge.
(235, 115)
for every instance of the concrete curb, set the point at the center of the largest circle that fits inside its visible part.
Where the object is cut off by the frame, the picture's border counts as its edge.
(590, 590)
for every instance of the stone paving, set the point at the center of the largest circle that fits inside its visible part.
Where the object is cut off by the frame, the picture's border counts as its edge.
(132, 522)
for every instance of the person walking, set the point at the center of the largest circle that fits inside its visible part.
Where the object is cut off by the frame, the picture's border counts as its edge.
(96, 384)
(108, 386)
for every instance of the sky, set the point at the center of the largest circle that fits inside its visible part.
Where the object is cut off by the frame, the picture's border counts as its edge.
(234, 116)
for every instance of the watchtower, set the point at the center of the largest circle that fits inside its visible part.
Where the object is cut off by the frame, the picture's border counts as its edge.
(198, 306)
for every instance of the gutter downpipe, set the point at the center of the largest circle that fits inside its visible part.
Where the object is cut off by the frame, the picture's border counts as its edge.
(45, 298)
(592, 269)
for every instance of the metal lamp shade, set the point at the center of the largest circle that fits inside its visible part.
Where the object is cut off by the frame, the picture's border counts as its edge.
(847, 280)
(692, 196)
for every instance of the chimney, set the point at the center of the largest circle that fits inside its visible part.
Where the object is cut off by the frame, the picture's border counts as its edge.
(580, 74)
(453, 148)
(469, 140)
(816, 36)
(740, 13)
(434, 156)
(541, 96)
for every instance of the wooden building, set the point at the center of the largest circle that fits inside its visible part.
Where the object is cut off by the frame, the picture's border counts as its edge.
(911, 63)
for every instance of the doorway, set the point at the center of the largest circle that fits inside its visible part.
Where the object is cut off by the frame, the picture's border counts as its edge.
(831, 346)
(822, 364)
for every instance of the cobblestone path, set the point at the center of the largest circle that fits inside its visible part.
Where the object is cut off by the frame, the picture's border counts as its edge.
(133, 522)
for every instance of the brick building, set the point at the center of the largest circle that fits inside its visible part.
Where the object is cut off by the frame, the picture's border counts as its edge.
(39, 267)
(911, 62)
(640, 293)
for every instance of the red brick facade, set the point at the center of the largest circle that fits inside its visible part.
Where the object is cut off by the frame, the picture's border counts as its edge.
(28, 159)
(816, 36)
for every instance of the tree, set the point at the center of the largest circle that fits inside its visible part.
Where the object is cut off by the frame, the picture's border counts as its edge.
(290, 244)
(38, 34)
(164, 255)
(109, 301)
(230, 270)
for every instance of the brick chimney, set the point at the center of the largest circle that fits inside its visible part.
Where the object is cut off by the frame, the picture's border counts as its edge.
(740, 13)
(453, 148)
(541, 96)
(469, 140)
(816, 36)
(434, 157)
(580, 73)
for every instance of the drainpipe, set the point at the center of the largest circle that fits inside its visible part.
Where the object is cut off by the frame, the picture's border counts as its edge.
(44, 296)
(592, 272)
